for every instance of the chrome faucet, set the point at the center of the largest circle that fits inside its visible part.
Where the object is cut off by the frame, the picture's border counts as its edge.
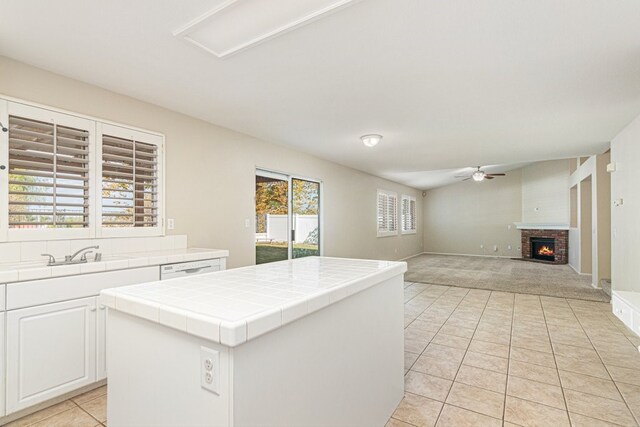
(70, 259)
(83, 258)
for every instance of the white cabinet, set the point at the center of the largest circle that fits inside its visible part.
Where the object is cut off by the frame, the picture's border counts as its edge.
(2, 372)
(56, 335)
(626, 306)
(51, 350)
(2, 349)
(101, 342)
(622, 310)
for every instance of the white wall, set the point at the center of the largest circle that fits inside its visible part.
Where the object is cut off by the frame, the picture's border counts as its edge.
(574, 248)
(460, 218)
(625, 219)
(545, 193)
(210, 172)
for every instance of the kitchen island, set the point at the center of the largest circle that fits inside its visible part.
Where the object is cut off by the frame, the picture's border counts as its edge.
(311, 341)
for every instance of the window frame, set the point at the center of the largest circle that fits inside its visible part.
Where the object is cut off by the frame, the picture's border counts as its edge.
(57, 118)
(18, 107)
(139, 136)
(386, 232)
(414, 214)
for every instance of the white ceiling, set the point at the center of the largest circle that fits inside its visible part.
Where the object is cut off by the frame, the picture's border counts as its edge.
(449, 84)
(438, 178)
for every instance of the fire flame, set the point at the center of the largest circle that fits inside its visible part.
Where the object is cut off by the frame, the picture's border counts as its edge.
(545, 250)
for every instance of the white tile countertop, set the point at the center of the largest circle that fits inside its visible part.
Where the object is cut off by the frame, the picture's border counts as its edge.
(234, 306)
(33, 270)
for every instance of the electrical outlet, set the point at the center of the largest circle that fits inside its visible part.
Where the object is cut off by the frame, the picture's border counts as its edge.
(481, 246)
(247, 223)
(509, 247)
(210, 369)
(171, 223)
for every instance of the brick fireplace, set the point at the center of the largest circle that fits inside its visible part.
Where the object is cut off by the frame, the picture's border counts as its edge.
(549, 246)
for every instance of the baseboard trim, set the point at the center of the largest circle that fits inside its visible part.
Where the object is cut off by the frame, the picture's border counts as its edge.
(582, 274)
(475, 255)
(573, 268)
(411, 256)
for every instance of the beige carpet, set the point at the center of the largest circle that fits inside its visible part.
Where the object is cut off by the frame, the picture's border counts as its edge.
(503, 274)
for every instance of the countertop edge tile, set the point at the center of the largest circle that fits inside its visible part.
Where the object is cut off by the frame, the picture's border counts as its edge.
(203, 326)
(233, 333)
(261, 323)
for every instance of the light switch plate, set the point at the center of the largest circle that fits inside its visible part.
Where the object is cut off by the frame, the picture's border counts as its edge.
(171, 224)
(210, 370)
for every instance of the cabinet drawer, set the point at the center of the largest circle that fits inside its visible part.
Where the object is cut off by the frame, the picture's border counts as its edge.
(622, 311)
(45, 291)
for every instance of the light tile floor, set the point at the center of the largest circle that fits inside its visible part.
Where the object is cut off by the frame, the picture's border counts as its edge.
(484, 358)
(86, 410)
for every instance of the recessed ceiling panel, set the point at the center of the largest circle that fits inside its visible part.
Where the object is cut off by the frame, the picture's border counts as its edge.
(235, 25)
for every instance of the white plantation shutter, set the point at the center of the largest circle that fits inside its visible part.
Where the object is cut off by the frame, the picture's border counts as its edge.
(387, 213)
(408, 214)
(48, 175)
(129, 183)
(68, 176)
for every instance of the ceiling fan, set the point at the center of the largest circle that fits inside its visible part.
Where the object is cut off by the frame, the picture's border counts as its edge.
(480, 175)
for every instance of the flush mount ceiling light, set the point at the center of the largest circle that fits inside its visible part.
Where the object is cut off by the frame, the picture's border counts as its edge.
(235, 25)
(371, 140)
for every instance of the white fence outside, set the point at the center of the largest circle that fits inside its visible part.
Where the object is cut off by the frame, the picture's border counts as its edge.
(278, 230)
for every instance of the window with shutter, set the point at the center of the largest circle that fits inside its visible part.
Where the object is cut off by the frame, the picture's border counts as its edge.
(67, 176)
(387, 213)
(408, 214)
(130, 174)
(48, 186)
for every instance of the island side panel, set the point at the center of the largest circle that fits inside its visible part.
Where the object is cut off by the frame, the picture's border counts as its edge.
(154, 376)
(342, 365)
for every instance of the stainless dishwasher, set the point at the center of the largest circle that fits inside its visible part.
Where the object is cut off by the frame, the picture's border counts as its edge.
(190, 268)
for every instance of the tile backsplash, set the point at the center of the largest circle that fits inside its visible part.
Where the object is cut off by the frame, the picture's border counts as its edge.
(28, 251)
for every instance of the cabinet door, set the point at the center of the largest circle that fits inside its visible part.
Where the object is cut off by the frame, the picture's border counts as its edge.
(101, 343)
(2, 383)
(51, 350)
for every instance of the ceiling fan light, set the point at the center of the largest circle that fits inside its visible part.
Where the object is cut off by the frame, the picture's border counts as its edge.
(478, 176)
(371, 140)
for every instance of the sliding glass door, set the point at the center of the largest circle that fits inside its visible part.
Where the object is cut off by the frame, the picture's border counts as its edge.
(287, 217)
(305, 223)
